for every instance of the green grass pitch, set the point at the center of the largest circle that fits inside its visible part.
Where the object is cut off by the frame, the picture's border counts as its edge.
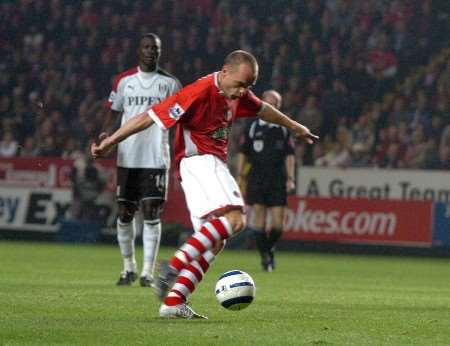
(56, 294)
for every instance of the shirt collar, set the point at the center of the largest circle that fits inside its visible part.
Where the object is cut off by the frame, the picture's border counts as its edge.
(146, 75)
(216, 82)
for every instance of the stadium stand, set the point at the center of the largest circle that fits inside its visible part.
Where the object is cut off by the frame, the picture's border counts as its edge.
(371, 77)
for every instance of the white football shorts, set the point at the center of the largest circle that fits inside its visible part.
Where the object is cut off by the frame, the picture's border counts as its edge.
(208, 186)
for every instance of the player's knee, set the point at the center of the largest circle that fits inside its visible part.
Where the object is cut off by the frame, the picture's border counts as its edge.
(258, 222)
(236, 220)
(126, 211)
(239, 225)
(151, 209)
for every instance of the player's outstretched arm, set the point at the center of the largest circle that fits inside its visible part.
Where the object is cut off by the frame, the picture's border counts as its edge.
(135, 124)
(273, 115)
(241, 161)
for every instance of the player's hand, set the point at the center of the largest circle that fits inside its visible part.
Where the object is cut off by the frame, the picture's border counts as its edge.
(290, 186)
(103, 148)
(303, 133)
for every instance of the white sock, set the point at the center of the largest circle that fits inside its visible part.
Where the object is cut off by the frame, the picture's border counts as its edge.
(138, 224)
(125, 238)
(129, 265)
(151, 237)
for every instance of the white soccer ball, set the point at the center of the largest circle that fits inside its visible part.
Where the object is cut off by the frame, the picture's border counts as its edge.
(235, 290)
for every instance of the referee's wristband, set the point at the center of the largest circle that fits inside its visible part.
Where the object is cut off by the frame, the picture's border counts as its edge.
(291, 178)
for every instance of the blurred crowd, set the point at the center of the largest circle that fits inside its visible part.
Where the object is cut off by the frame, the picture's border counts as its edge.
(371, 77)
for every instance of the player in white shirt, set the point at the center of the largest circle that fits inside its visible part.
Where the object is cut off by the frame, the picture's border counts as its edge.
(143, 160)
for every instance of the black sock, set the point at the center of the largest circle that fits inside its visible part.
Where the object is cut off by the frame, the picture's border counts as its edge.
(273, 237)
(261, 241)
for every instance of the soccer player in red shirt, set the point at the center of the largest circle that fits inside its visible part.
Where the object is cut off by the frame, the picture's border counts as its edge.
(204, 112)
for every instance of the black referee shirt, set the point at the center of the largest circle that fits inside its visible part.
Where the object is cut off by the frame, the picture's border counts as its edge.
(266, 146)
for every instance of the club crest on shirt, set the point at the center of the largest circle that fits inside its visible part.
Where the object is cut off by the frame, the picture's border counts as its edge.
(176, 111)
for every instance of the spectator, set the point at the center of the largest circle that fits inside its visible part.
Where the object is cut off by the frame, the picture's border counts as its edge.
(87, 184)
(399, 112)
(362, 133)
(420, 114)
(29, 148)
(71, 149)
(382, 65)
(445, 139)
(415, 154)
(310, 115)
(49, 148)
(360, 157)
(444, 159)
(335, 104)
(8, 145)
(339, 155)
(444, 78)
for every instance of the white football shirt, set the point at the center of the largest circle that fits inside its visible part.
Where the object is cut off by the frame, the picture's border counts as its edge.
(133, 92)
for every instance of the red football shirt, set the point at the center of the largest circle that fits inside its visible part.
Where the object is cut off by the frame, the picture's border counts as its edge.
(204, 117)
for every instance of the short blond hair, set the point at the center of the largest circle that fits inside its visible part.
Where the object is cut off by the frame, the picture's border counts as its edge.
(238, 57)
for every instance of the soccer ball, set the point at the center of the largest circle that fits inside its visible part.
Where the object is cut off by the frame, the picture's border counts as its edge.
(235, 290)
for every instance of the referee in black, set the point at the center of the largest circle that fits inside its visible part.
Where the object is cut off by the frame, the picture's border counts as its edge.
(269, 151)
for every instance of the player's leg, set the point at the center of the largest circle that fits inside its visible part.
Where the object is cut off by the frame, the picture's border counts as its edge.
(210, 238)
(258, 227)
(256, 197)
(151, 236)
(189, 278)
(127, 206)
(209, 190)
(125, 237)
(277, 202)
(276, 231)
(153, 193)
(193, 273)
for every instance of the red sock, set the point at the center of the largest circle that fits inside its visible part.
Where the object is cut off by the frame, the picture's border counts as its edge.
(211, 232)
(188, 279)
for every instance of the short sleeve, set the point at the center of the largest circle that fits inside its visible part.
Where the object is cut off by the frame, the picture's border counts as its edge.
(116, 98)
(168, 112)
(290, 147)
(249, 105)
(175, 86)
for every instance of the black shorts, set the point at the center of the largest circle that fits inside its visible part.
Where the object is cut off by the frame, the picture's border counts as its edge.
(136, 184)
(268, 191)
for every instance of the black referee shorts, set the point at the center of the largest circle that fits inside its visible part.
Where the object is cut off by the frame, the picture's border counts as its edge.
(268, 191)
